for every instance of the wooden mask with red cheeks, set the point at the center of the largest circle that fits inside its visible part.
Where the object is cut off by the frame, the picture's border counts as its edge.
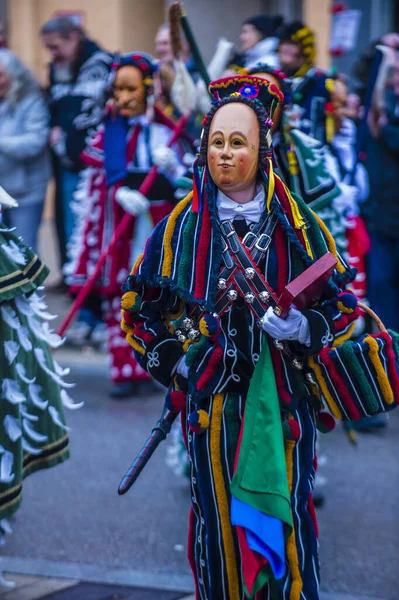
(129, 92)
(233, 147)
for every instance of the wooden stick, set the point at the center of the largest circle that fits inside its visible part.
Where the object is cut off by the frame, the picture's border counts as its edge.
(118, 233)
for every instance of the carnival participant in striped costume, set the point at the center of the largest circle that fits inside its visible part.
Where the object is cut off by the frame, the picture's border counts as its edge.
(235, 370)
(129, 141)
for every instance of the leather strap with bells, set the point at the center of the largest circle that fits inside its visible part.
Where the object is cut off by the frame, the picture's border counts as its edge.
(238, 277)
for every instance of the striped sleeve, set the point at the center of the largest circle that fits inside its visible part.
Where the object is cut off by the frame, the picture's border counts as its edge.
(145, 322)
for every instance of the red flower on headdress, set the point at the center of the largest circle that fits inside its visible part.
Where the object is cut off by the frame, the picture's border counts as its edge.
(205, 121)
(338, 7)
(273, 89)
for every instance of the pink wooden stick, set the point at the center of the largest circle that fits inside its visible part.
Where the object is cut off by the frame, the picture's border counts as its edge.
(119, 231)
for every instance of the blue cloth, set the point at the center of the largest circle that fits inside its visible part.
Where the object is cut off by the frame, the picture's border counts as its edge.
(383, 278)
(265, 534)
(69, 183)
(116, 129)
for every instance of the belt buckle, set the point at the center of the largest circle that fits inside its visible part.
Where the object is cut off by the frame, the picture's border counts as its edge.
(263, 242)
(227, 228)
(249, 240)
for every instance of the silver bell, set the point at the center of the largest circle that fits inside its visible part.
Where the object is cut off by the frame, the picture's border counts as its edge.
(310, 378)
(181, 337)
(249, 297)
(222, 284)
(188, 323)
(297, 364)
(194, 334)
(278, 345)
(233, 295)
(250, 273)
(264, 297)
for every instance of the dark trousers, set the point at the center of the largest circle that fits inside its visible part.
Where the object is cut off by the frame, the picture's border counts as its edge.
(383, 279)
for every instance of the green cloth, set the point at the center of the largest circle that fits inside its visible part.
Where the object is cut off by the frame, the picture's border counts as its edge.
(33, 435)
(260, 479)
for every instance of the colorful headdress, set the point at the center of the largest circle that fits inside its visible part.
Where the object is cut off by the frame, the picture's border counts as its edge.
(141, 60)
(249, 88)
(261, 95)
(301, 35)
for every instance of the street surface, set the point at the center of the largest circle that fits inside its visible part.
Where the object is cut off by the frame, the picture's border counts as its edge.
(75, 529)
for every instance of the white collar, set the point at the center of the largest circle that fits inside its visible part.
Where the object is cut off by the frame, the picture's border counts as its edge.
(252, 211)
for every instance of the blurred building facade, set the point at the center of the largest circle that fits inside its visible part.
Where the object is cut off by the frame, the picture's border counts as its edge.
(125, 25)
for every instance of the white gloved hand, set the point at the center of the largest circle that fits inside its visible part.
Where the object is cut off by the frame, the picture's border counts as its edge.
(295, 327)
(132, 201)
(164, 158)
(182, 368)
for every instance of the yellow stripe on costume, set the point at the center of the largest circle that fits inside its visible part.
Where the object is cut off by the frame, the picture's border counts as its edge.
(324, 389)
(128, 329)
(221, 497)
(170, 228)
(340, 339)
(379, 369)
(330, 241)
(137, 264)
(270, 190)
(292, 554)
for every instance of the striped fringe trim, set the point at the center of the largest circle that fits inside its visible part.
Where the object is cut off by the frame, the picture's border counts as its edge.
(169, 231)
(292, 554)
(221, 497)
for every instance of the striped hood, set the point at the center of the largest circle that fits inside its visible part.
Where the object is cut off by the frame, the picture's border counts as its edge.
(185, 249)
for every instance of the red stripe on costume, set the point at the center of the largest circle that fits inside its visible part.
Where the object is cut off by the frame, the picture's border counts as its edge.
(282, 196)
(282, 392)
(202, 253)
(312, 513)
(339, 383)
(282, 258)
(211, 367)
(346, 319)
(251, 561)
(392, 370)
(140, 334)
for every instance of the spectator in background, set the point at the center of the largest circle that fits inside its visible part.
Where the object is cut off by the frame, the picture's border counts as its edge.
(383, 210)
(78, 75)
(25, 167)
(162, 44)
(259, 39)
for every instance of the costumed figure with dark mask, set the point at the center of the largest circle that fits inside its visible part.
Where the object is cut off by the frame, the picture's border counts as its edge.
(127, 144)
(201, 313)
